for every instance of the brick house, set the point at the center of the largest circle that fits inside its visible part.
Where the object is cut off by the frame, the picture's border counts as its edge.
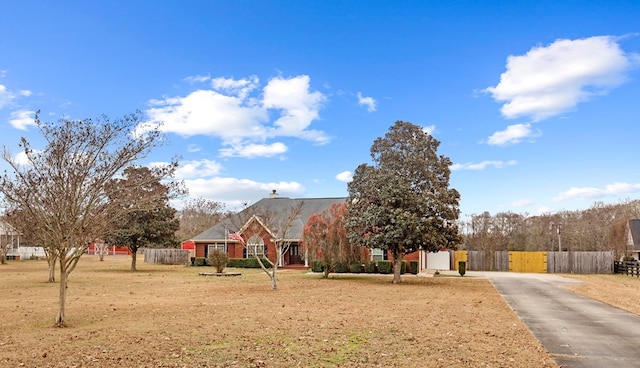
(259, 226)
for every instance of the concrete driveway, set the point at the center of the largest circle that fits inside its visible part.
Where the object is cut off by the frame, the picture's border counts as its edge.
(578, 332)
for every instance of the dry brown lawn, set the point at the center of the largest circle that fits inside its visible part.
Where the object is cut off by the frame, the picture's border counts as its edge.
(169, 316)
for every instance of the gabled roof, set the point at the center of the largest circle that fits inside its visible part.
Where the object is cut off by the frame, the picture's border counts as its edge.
(634, 232)
(6, 229)
(277, 207)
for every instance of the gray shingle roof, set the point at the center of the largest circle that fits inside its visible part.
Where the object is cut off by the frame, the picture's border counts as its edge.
(278, 206)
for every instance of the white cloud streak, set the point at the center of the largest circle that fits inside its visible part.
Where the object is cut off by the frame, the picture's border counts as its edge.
(482, 165)
(550, 80)
(615, 189)
(228, 190)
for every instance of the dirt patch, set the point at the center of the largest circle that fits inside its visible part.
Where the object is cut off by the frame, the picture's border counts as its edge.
(168, 316)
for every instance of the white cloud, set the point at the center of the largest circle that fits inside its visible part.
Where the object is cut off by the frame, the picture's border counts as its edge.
(229, 190)
(197, 169)
(482, 165)
(5, 96)
(21, 158)
(254, 150)
(513, 134)
(193, 148)
(22, 119)
(240, 87)
(243, 123)
(545, 210)
(369, 102)
(550, 80)
(345, 176)
(298, 106)
(197, 79)
(615, 189)
(525, 202)
(429, 129)
(25, 93)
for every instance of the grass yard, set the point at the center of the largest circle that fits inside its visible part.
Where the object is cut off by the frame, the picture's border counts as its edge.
(168, 316)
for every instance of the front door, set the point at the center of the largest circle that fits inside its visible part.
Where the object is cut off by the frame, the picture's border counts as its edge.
(294, 255)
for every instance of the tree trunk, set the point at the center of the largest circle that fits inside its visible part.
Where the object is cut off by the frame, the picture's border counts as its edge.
(397, 267)
(327, 269)
(101, 250)
(133, 260)
(51, 260)
(60, 319)
(274, 276)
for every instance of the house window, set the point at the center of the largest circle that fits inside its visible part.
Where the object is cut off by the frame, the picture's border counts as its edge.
(378, 254)
(219, 247)
(255, 247)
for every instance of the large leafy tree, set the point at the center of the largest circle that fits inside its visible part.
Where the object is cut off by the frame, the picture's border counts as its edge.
(402, 203)
(147, 219)
(63, 188)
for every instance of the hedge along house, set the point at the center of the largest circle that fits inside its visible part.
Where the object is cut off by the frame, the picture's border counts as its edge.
(256, 230)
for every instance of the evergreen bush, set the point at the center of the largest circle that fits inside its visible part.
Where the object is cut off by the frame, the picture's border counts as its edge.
(385, 267)
(413, 267)
(341, 267)
(317, 266)
(370, 267)
(355, 267)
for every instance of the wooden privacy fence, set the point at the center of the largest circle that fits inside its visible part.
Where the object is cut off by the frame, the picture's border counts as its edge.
(166, 256)
(479, 260)
(580, 262)
(551, 262)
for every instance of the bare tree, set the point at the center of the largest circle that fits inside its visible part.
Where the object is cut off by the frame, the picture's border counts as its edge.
(279, 226)
(197, 215)
(63, 188)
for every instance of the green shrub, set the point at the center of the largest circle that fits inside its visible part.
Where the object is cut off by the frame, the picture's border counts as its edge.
(218, 260)
(370, 267)
(236, 263)
(201, 261)
(413, 267)
(253, 263)
(385, 267)
(340, 267)
(403, 267)
(317, 266)
(355, 267)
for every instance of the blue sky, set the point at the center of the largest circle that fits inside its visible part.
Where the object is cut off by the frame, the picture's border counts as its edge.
(535, 102)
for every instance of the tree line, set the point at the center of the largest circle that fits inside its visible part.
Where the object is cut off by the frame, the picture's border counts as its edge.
(602, 227)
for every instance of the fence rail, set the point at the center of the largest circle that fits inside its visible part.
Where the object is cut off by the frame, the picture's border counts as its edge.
(627, 267)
